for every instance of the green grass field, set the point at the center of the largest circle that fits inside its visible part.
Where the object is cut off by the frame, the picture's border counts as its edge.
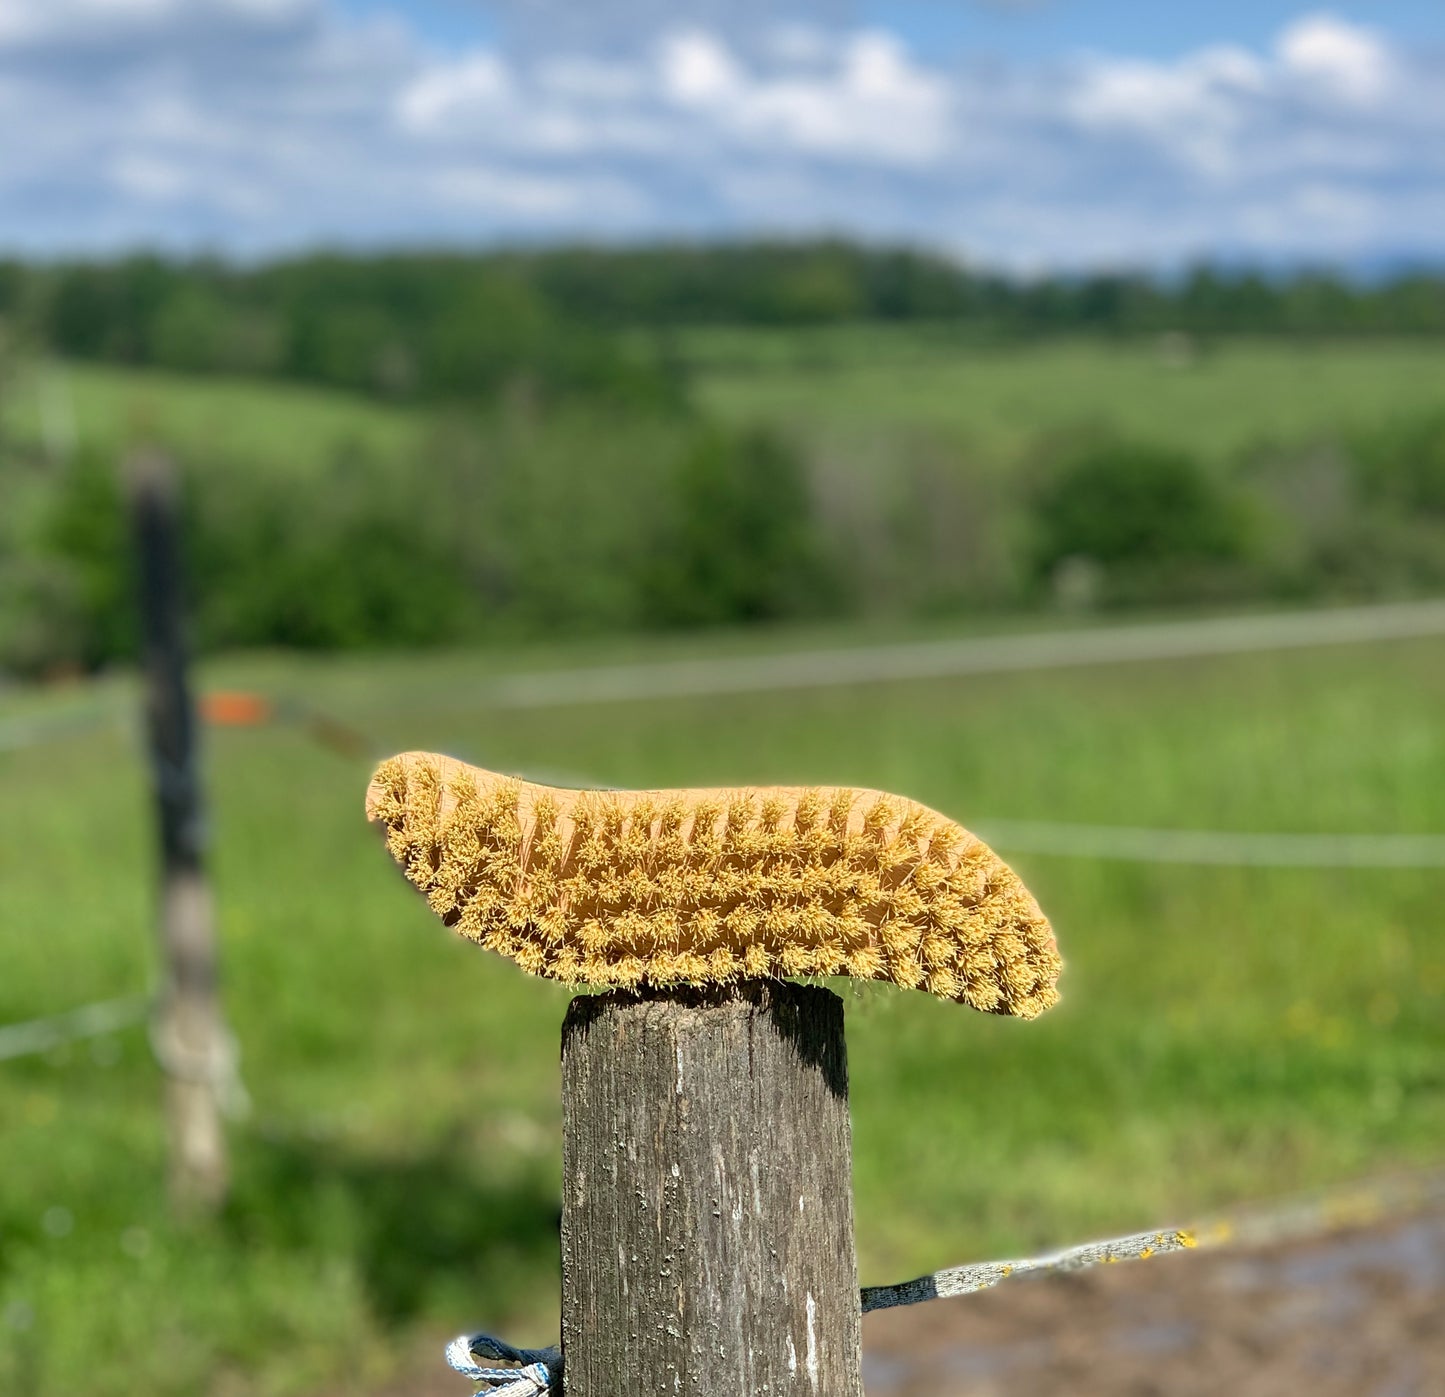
(828, 386)
(236, 419)
(998, 399)
(1226, 1033)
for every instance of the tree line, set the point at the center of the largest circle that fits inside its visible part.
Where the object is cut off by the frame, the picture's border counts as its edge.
(595, 321)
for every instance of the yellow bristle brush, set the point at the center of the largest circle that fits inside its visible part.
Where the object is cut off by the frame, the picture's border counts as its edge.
(629, 888)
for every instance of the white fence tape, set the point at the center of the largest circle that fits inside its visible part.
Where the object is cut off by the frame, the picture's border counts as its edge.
(1138, 844)
(938, 659)
(89, 1021)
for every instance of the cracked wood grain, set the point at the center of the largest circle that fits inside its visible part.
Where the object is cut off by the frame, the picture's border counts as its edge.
(707, 1222)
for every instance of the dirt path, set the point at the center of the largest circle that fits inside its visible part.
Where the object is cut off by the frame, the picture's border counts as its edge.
(1354, 1314)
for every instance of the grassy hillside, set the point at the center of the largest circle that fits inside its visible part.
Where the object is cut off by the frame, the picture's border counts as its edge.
(1214, 397)
(249, 421)
(1226, 1033)
(1209, 397)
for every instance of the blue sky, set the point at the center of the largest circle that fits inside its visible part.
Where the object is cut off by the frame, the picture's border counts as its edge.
(1015, 29)
(1032, 29)
(1030, 134)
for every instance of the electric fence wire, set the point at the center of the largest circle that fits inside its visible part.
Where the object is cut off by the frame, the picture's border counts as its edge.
(937, 659)
(1310, 1215)
(88, 1021)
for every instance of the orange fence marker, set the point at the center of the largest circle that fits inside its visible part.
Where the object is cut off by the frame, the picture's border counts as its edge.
(234, 708)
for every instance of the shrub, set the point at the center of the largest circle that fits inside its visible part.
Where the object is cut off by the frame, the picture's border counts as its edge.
(740, 542)
(65, 580)
(511, 527)
(1152, 520)
(1361, 518)
(1402, 466)
(42, 622)
(347, 558)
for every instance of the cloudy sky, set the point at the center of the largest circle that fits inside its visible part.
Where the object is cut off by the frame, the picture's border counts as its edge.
(1025, 133)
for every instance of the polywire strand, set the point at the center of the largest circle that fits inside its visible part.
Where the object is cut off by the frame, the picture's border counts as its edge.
(932, 659)
(1140, 844)
(540, 1370)
(1309, 1216)
(937, 659)
(88, 1021)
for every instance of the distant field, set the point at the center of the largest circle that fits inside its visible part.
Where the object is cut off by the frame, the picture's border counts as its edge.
(241, 420)
(1226, 1033)
(832, 387)
(1213, 398)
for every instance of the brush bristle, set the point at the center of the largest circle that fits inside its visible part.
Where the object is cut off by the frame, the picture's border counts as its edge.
(691, 887)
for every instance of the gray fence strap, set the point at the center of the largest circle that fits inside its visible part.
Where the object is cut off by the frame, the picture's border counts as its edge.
(537, 1371)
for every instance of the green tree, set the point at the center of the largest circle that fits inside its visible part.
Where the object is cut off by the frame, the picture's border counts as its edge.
(1136, 511)
(742, 543)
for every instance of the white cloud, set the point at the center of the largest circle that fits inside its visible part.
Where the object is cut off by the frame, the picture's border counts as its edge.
(256, 124)
(1204, 87)
(474, 88)
(1194, 109)
(698, 71)
(1352, 60)
(862, 99)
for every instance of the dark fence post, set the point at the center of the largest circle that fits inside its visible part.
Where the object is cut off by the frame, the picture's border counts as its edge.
(189, 1033)
(707, 1214)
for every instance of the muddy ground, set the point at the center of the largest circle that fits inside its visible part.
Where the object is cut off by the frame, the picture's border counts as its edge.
(1352, 1314)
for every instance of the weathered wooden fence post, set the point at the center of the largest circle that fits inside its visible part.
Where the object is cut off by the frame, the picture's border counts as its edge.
(189, 1032)
(707, 1214)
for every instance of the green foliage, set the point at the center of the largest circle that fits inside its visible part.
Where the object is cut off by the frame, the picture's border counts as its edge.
(342, 559)
(87, 531)
(398, 327)
(1361, 516)
(503, 525)
(1150, 517)
(42, 621)
(1402, 466)
(189, 332)
(492, 328)
(65, 580)
(846, 471)
(741, 543)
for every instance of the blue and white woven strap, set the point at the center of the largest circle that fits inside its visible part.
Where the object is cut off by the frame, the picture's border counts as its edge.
(538, 1371)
